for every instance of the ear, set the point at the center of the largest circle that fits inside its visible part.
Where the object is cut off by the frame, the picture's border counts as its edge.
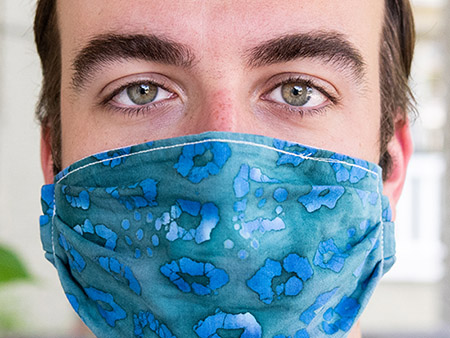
(46, 155)
(400, 148)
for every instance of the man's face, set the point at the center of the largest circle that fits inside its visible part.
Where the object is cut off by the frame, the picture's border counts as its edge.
(304, 71)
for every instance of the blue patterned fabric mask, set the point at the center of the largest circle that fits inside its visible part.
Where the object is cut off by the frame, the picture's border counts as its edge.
(218, 235)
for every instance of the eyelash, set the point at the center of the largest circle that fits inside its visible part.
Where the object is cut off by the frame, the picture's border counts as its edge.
(136, 111)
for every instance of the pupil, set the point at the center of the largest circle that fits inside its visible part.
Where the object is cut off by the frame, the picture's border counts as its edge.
(297, 90)
(144, 89)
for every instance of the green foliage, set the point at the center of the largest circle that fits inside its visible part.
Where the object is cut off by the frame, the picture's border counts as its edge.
(11, 268)
(8, 322)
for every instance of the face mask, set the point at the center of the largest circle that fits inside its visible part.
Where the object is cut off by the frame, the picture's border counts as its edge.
(218, 235)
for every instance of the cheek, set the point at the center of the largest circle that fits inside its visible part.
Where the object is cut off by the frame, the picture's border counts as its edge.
(81, 134)
(361, 126)
(355, 133)
(362, 133)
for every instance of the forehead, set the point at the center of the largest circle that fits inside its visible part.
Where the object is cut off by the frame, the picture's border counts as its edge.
(221, 27)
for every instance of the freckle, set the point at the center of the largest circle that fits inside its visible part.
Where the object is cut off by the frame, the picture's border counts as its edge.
(223, 109)
(224, 106)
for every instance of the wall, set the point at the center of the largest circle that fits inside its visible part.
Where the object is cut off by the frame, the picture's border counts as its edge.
(37, 307)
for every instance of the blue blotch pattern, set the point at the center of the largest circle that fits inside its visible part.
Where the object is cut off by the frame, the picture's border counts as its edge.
(73, 301)
(329, 256)
(113, 158)
(81, 201)
(241, 183)
(243, 254)
(108, 235)
(321, 300)
(175, 270)
(262, 281)
(344, 172)
(112, 312)
(117, 270)
(208, 327)
(48, 204)
(322, 196)
(218, 234)
(299, 334)
(126, 224)
(344, 316)
(143, 319)
(186, 163)
(209, 218)
(293, 154)
(136, 196)
(280, 195)
(76, 261)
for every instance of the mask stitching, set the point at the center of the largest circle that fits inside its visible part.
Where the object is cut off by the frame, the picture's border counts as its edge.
(382, 230)
(305, 157)
(52, 226)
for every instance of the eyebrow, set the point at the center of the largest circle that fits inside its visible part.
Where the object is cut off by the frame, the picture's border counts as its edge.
(109, 48)
(330, 47)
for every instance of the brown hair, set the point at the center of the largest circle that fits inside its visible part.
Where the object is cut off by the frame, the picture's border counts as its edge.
(396, 52)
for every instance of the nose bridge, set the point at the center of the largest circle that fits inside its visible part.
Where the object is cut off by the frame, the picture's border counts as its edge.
(221, 103)
(220, 111)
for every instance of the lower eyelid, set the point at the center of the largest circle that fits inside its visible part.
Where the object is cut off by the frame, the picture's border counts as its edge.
(307, 112)
(287, 106)
(150, 108)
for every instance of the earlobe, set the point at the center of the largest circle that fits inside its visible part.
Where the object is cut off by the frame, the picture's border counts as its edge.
(46, 155)
(400, 148)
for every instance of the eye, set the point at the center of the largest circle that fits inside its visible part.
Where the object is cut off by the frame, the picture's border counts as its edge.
(298, 94)
(141, 94)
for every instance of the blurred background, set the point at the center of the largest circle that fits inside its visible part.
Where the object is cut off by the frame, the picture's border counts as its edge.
(412, 301)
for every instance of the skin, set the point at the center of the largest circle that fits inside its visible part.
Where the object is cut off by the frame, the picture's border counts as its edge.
(220, 91)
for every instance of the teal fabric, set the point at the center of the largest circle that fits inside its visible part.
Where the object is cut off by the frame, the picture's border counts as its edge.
(218, 235)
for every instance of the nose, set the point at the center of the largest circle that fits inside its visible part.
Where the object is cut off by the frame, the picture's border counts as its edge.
(221, 110)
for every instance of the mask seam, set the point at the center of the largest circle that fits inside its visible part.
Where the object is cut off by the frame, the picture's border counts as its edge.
(382, 230)
(305, 157)
(52, 225)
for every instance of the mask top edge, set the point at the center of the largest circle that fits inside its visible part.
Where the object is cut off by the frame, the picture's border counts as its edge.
(316, 154)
